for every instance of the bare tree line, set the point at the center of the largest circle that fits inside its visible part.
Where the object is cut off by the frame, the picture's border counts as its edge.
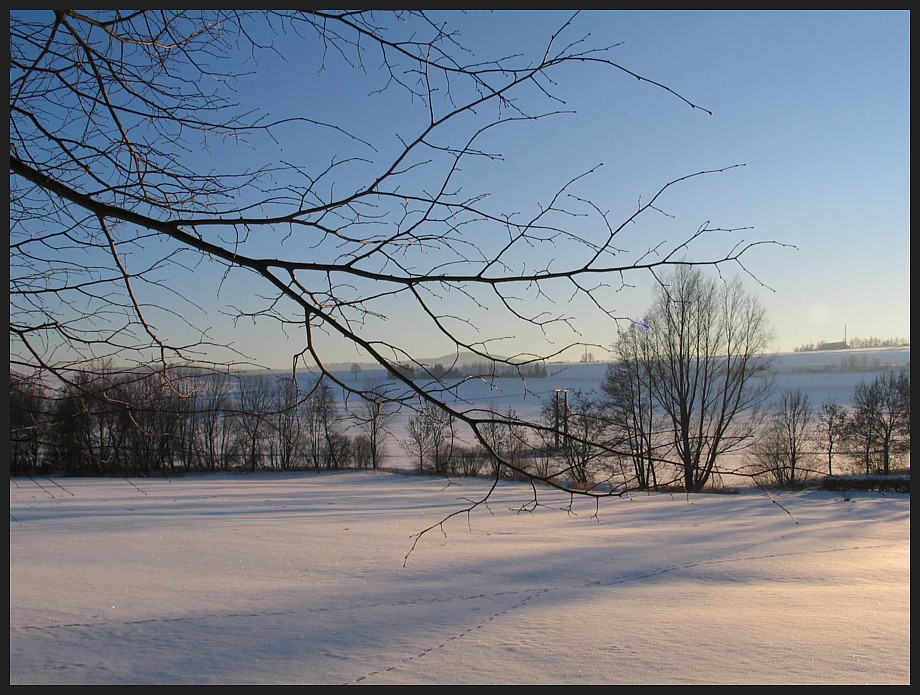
(687, 390)
(804, 440)
(139, 426)
(110, 422)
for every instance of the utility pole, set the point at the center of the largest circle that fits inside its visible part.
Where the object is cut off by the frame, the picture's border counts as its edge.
(564, 416)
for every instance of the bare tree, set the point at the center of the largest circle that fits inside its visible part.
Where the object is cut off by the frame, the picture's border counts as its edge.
(218, 444)
(124, 178)
(373, 416)
(629, 400)
(322, 426)
(880, 425)
(831, 424)
(711, 373)
(289, 426)
(254, 408)
(583, 445)
(507, 438)
(150, 421)
(430, 439)
(29, 425)
(90, 421)
(783, 448)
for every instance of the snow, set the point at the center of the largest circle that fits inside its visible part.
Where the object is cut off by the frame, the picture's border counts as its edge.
(352, 578)
(284, 578)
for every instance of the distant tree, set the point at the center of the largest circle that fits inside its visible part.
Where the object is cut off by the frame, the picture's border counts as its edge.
(289, 425)
(902, 387)
(254, 408)
(153, 422)
(881, 418)
(507, 440)
(445, 445)
(629, 401)
(419, 435)
(323, 421)
(181, 395)
(106, 421)
(583, 447)
(707, 344)
(29, 424)
(832, 421)
(218, 443)
(430, 439)
(862, 429)
(783, 448)
(373, 416)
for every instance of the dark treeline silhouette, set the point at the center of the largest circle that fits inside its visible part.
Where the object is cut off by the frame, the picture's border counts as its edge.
(147, 422)
(154, 422)
(486, 370)
(853, 344)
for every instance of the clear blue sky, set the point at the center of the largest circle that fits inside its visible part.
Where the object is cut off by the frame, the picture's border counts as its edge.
(814, 104)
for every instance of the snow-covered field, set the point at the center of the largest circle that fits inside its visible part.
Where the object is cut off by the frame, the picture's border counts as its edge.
(285, 578)
(305, 578)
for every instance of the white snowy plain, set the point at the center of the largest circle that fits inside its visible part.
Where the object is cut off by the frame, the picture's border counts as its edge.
(306, 578)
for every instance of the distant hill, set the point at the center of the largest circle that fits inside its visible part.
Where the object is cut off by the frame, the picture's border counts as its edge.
(852, 359)
(462, 359)
(843, 360)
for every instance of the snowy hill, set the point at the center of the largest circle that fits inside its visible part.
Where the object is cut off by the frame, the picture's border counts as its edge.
(824, 376)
